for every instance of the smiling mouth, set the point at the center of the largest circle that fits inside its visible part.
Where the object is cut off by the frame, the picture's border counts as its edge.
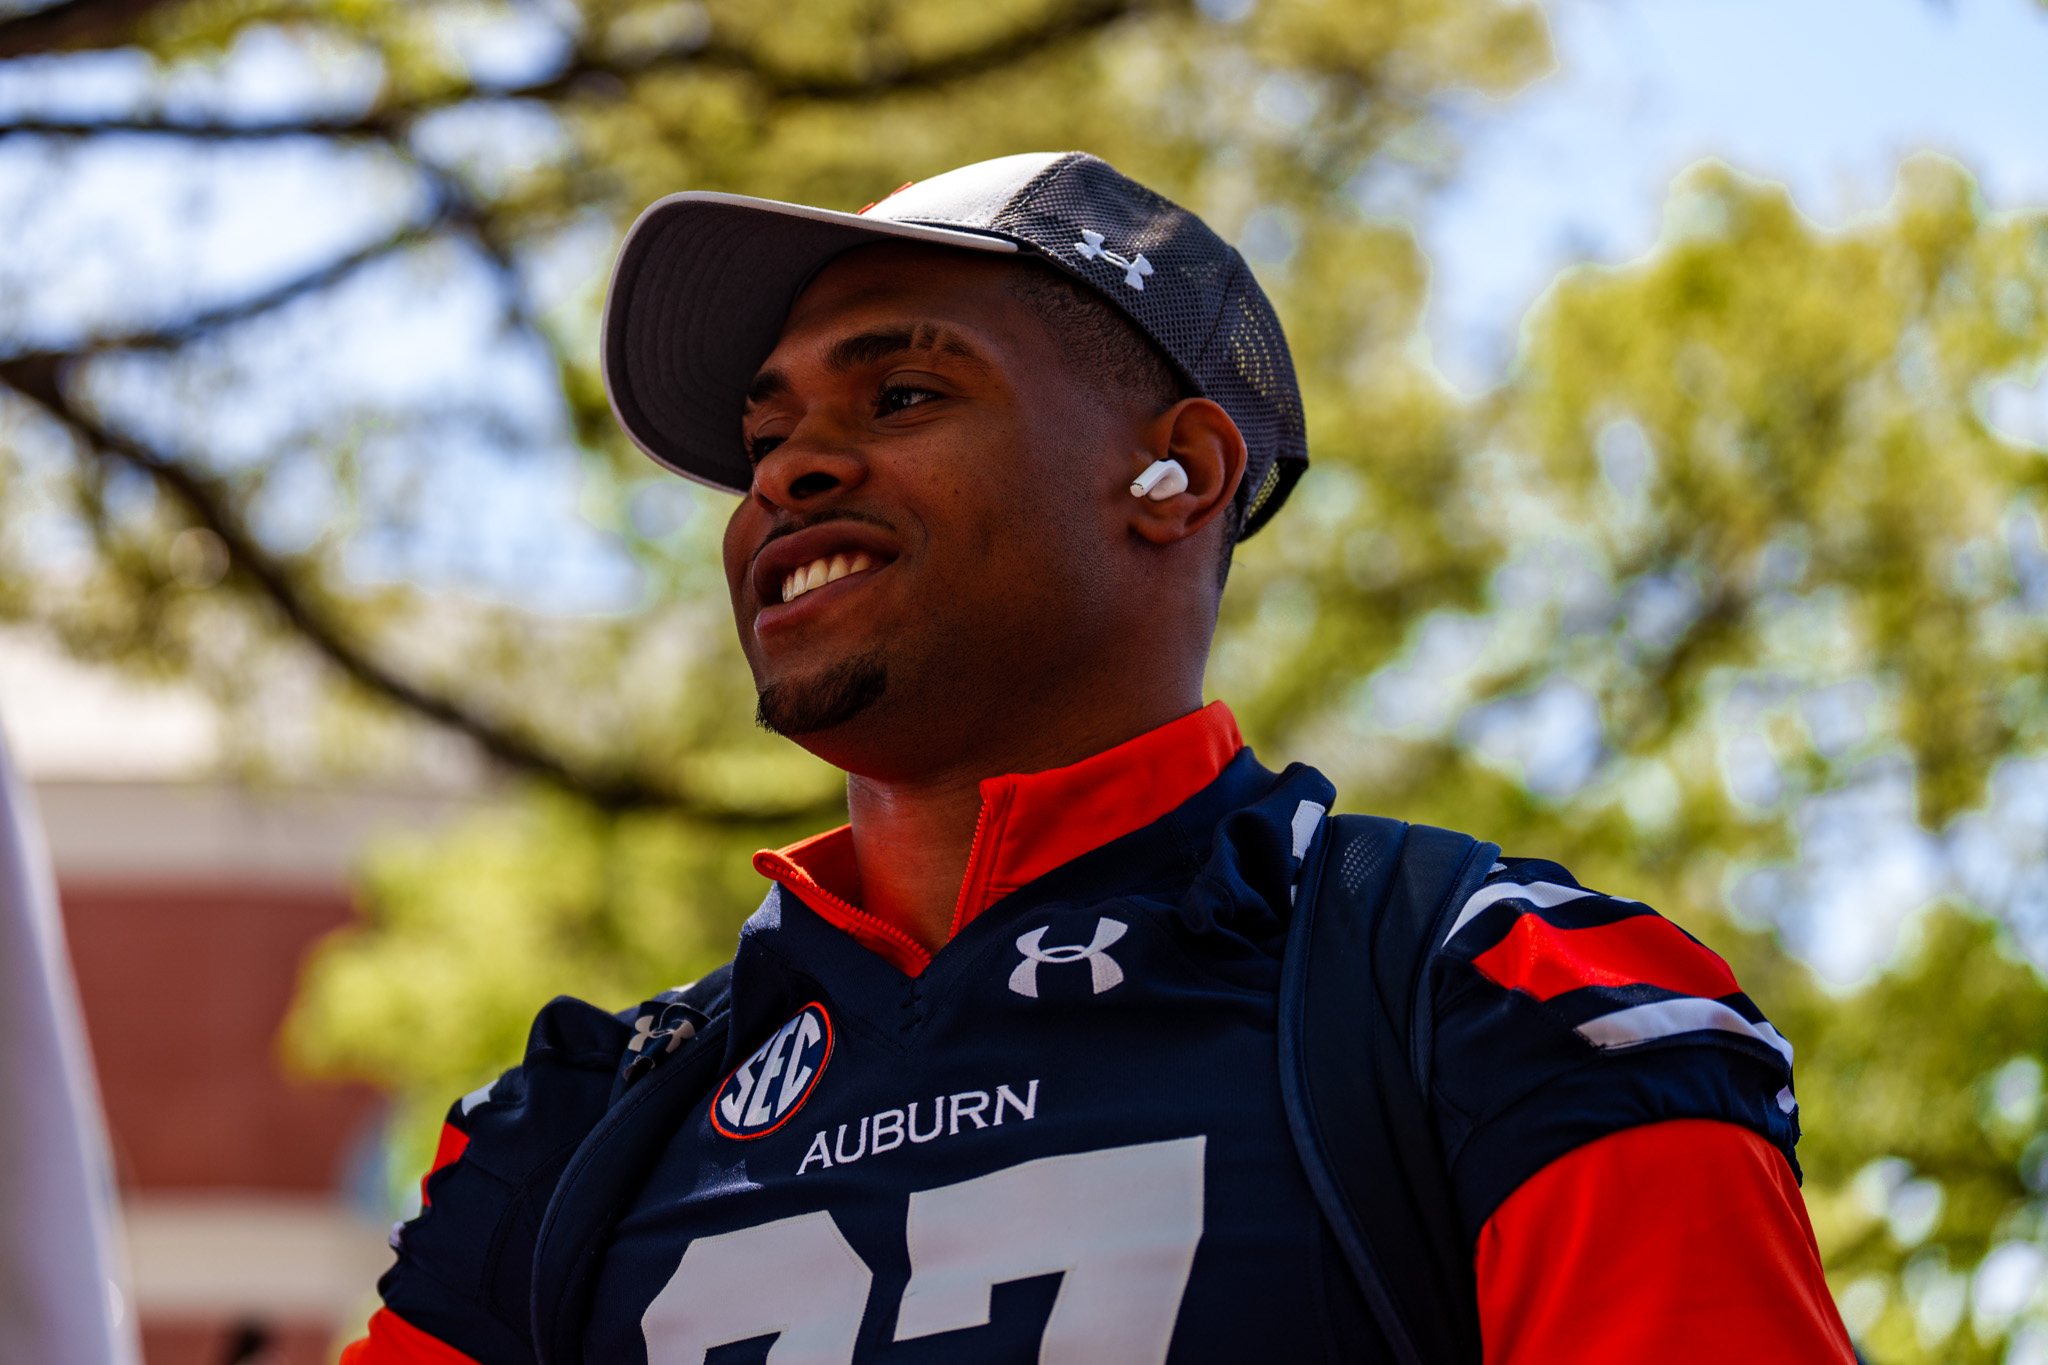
(819, 572)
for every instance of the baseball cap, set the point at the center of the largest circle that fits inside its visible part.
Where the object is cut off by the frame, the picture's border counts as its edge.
(704, 282)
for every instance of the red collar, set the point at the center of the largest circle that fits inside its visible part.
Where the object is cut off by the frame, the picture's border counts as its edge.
(1030, 824)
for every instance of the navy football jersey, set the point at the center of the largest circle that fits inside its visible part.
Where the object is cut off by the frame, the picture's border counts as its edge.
(1064, 1140)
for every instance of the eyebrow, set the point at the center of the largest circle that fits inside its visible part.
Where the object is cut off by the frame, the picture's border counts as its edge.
(868, 348)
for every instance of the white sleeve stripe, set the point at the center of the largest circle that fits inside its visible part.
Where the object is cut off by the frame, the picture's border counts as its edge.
(1668, 1018)
(1308, 818)
(1544, 894)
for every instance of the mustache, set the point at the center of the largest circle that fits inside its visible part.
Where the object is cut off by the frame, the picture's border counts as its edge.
(825, 518)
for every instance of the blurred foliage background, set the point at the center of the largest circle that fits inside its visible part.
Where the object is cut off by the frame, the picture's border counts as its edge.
(1731, 560)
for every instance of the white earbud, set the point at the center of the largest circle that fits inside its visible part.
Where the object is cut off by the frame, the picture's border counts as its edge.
(1160, 481)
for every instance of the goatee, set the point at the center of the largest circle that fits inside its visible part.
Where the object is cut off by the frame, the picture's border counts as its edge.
(806, 706)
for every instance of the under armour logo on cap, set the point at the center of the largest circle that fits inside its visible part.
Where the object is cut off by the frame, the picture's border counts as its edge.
(1135, 268)
(1103, 972)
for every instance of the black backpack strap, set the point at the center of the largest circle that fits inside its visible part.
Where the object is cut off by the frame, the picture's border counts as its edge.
(1440, 870)
(661, 1083)
(1354, 1063)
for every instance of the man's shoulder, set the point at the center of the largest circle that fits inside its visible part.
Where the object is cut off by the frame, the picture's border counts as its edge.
(1613, 970)
(464, 1262)
(1561, 1014)
(578, 1059)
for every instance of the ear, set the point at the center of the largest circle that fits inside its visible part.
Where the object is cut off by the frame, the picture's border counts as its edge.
(1200, 435)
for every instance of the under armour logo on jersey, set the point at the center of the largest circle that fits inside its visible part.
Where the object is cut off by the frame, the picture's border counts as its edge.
(645, 1034)
(1135, 268)
(1103, 972)
(663, 1026)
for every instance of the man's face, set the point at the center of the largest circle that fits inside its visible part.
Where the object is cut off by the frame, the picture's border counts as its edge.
(933, 532)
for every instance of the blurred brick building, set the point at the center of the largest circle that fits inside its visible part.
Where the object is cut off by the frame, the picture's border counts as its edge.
(253, 1199)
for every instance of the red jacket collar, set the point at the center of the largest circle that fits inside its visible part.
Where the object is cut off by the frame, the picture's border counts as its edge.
(1030, 824)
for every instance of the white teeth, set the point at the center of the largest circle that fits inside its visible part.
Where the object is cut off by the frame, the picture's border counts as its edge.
(819, 572)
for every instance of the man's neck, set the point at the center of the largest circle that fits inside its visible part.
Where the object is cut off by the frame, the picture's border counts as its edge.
(912, 842)
(912, 839)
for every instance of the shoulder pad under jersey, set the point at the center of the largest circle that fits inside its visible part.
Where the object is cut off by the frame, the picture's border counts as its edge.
(465, 1262)
(1563, 1015)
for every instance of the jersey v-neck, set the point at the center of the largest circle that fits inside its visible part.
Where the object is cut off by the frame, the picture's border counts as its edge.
(1030, 823)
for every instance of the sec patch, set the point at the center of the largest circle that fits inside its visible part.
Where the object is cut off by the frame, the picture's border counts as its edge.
(770, 1086)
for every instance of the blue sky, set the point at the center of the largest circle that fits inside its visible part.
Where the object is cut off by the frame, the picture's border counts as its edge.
(1826, 96)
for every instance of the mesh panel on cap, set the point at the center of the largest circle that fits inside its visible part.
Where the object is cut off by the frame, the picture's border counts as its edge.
(1201, 305)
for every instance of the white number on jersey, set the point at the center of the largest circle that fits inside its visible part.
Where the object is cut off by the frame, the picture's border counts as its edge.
(1119, 1225)
(1122, 1223)
(795, 1276)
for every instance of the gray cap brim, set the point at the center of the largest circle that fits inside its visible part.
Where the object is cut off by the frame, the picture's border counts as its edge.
(697, 300)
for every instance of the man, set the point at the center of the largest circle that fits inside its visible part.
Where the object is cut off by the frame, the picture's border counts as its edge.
(997, 1071)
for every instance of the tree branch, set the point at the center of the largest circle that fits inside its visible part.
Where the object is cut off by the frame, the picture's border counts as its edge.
(39, 378)
(378, 126)
(192, 328)
(72, 25)
(453, 210)
(388, 121)
(1084, 18)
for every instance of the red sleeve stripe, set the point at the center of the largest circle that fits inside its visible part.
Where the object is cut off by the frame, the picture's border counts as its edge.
(394, 1341)
(1669, 1018)
(1540, 959)
(1543, 895)
(454, 1142)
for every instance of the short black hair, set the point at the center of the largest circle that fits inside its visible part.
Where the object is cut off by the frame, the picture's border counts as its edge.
(1108, 353)
(1105, 348)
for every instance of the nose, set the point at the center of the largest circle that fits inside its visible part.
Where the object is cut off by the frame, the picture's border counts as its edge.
(799, 475)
